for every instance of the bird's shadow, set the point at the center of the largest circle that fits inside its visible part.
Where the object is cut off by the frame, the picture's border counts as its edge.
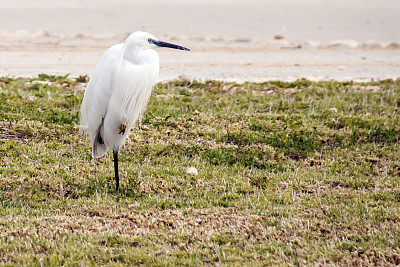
(107, 186)
(102, 187)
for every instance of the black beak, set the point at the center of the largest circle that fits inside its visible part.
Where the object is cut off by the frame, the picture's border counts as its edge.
(165, 44)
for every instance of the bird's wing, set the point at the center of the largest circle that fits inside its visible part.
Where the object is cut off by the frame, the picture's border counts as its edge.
(98, 91)
(133, 89)
(116, 97)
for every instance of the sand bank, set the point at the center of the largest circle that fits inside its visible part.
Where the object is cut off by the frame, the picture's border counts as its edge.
(237, 40)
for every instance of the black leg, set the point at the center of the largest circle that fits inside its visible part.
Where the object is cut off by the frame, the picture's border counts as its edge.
(116, 171)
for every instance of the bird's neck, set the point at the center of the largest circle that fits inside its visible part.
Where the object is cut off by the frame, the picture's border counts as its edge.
(133, 53)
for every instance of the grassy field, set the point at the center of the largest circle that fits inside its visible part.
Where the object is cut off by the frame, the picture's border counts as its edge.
(289, 173)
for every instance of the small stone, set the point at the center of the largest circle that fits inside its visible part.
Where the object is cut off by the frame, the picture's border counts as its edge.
(192, 171)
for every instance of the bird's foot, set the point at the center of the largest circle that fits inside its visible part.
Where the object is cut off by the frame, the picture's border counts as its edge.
(122, 128)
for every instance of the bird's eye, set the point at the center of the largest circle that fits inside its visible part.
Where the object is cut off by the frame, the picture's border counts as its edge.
(149, 40)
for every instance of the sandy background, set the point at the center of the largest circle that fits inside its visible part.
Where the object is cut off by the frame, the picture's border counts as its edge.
(252, 40)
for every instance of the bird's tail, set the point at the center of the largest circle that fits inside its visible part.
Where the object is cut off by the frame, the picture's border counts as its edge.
(99, 149)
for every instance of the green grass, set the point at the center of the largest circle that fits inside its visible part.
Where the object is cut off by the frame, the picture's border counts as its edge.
(291, 173)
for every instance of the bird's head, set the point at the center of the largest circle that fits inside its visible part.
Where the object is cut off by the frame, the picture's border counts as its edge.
(144, 40)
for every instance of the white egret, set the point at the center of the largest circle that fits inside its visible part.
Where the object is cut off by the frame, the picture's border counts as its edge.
(118, 92)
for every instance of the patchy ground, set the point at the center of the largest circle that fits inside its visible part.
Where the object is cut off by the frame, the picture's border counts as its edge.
(288, 172)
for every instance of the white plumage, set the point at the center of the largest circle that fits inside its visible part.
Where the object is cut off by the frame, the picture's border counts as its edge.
(118, 92)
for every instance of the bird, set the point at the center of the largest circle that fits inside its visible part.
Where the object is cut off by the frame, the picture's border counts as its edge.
(118, 91)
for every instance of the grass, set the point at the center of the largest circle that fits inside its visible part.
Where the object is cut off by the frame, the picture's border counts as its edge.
(290, 173)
